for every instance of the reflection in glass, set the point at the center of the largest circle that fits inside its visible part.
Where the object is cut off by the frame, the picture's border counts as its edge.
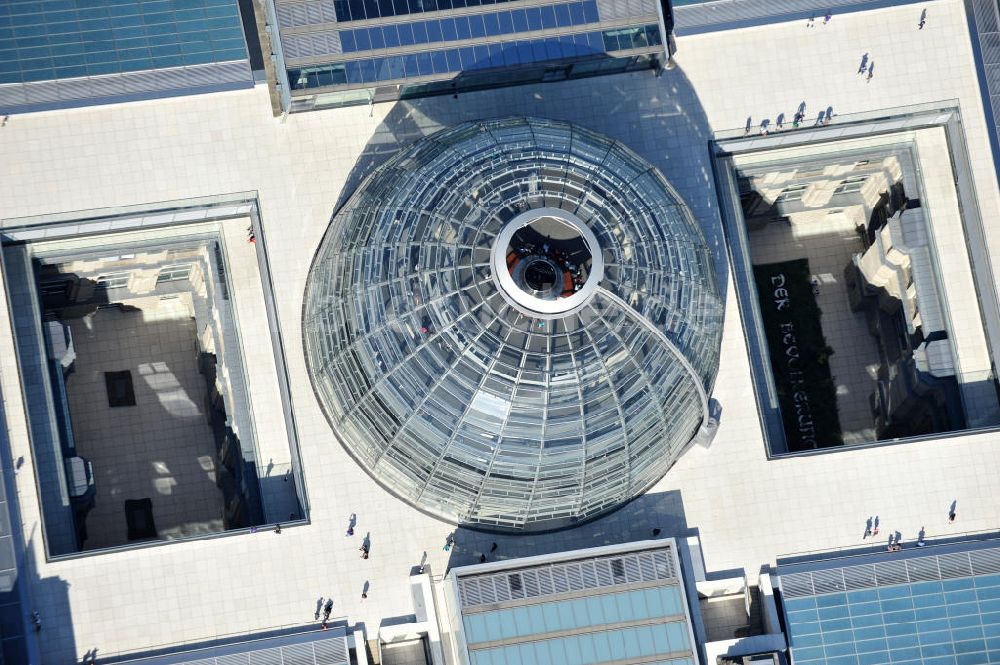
(456, 400)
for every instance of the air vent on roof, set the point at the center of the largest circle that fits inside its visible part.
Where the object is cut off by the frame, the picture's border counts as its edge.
(890, 572)
(664, 565)
(331, 651)
(559, 582)
(828, 581)
(604, 575)
(648, 568)
(923, 569)
(545, 581)
(502, 590)
(985, 561)
(265, 657)
(797, 584)
(565, 577)
(293, 654)
(859, 577)
(954, 565)
(631, 566)
(574, 578)
(530, 580)
(588, 575)
(470, 593)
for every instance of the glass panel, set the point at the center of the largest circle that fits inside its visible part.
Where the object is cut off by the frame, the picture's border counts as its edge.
(391, 36)
(420, 33)
(549, 17)
(477, 27)
(462, 27)
(531, 434)
(534, 15)
(434, 33)
(449, 30)
(363, 40)
(117, 39)
(491, 24)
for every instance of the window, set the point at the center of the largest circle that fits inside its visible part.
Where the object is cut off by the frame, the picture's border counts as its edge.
(477, 56)
(902, 331)
(792, 193)
(113, 280)
(851, 185)
(55, 287)
(173, 274)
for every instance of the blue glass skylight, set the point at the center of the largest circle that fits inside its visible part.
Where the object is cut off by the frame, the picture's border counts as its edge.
(359, 10)
(58, 39)
(475, 26)
(944, 611)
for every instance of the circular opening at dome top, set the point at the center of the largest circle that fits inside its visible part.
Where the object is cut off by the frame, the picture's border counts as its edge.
(541, 275)
(547, 262)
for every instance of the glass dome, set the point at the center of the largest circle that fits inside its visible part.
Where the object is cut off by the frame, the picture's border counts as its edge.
(514, 324)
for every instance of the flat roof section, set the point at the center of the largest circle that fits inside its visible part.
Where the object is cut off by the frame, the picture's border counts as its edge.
(372, 48)
(159, 447)
(603, 605)
(58, 54)
(699, 16)
(936, 605)
(315, 647)
(730, 490)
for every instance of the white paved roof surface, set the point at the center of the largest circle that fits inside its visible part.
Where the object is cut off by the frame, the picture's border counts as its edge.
(747, 509)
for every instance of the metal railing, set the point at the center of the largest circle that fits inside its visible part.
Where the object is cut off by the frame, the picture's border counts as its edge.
(209, 642)
(849, 553)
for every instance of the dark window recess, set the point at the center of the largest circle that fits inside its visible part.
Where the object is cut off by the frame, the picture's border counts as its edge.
(119, 388)
(515, 582)
(668, 15)
(618, 569)
(220, 267)
(251, 35)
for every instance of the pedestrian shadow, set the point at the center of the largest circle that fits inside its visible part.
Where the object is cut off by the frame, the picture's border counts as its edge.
(876, 551)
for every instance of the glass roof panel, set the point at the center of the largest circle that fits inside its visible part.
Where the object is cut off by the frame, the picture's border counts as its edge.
(490, 412)
(369, 70)
(46, 41)
(935, 605)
